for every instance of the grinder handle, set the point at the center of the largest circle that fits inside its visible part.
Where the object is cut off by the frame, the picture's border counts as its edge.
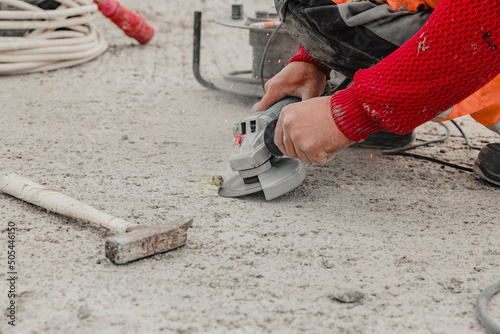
(274, 112)
(269, 138)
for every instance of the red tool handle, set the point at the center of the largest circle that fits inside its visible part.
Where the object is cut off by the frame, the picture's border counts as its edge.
(133, 24)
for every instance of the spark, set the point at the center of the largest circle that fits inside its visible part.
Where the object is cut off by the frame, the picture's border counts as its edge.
(279, 61)
(122, 55)
(183, 110)
(52, 88)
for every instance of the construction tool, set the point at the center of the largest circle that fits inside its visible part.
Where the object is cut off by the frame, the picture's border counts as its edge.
(258, 160)
(132, 24)
(272, 49)
(44, 35)
(131, 241)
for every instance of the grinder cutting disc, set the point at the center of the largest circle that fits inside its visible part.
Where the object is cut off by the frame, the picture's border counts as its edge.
(285, 175)
(235, 187)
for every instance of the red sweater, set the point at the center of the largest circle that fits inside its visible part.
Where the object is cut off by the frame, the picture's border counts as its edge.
(452, 56)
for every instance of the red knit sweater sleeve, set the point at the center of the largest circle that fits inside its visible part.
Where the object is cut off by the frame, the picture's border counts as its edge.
(302, 55)
(451, 57)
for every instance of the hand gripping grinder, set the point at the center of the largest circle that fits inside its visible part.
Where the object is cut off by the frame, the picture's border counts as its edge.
(259, 162)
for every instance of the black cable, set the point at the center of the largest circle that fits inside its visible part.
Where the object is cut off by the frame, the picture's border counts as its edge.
(482, 313)
(406, 148)
(264, 55)
(400, 151)
(423, 157)
(197, 52)
(465, 137)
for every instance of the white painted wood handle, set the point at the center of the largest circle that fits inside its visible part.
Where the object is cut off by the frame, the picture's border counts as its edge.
(31, 192)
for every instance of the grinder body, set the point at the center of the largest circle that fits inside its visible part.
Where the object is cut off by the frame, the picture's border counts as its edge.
(258, 160)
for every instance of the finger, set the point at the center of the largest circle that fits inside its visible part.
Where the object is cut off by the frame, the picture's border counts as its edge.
(289, 146)
(278, 135)
(302, 155)
(269, 99)
(284, 144)
(322, 159)
(292, 151)
(284, 125)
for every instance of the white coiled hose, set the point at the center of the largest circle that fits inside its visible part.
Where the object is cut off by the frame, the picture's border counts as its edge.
(55, 39)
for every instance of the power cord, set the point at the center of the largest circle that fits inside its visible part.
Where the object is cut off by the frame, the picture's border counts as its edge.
(465, 137)
(482, 313)
(401, 151)
(56, 38)
(264, 54)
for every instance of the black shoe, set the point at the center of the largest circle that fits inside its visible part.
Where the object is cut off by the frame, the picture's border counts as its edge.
(387, 140)
(487, 164)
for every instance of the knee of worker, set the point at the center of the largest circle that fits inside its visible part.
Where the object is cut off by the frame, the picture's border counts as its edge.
(319, 27)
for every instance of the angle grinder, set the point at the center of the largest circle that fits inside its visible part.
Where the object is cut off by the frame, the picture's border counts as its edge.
(259, 162)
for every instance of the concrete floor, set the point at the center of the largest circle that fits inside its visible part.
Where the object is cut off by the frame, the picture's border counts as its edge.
(135, 135)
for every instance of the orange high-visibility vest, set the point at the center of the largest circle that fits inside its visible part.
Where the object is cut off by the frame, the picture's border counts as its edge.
(483, 105)
(408, 5)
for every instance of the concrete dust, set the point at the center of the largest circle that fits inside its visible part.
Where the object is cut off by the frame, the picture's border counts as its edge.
(407, 244)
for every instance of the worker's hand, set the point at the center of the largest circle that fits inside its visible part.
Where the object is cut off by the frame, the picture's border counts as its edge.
(306, 130)
(300, 79)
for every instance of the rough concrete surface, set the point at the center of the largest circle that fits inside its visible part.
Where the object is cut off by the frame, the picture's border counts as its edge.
(367, 244)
